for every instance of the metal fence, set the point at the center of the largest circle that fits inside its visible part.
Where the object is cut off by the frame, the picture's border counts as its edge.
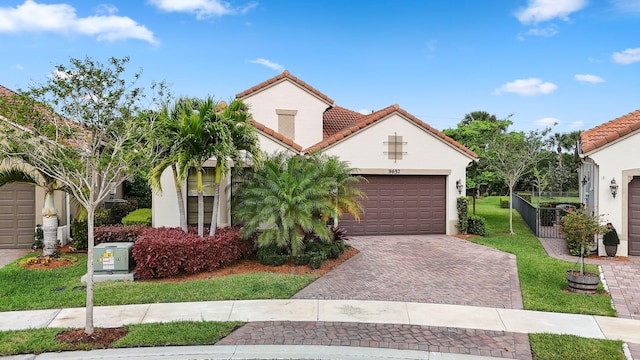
(543, 222)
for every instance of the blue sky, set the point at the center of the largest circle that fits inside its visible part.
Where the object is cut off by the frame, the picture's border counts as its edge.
(575, 63)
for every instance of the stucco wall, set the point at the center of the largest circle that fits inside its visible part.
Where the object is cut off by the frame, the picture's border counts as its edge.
(287, 96)
(619, 161)
(426, 154)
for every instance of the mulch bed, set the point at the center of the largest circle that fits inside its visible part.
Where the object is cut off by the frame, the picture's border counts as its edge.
(101, 337)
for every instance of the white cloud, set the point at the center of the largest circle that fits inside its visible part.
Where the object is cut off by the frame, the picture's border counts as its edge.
(201, 8)
(61, 18)
(539, 11)
(18, 67)
(268, 64)
(548, 31)
(527, 87)
(627, 6)
(547, 122)
(628, 56)
(365, 112)
(577, 124)
(594, 79)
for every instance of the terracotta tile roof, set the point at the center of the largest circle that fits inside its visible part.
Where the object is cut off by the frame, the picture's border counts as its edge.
(609, 132)
(337, 118)
(275, 135)
(379, 115)
(280, 78)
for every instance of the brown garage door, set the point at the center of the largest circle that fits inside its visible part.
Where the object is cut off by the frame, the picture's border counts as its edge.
(634, 216)
(401, 205)
(17, 216)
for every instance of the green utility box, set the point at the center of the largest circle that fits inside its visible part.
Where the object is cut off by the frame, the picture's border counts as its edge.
(113, 258)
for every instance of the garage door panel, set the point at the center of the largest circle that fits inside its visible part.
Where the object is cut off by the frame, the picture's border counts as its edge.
(399, 204)
(634, 216)
(17, 215)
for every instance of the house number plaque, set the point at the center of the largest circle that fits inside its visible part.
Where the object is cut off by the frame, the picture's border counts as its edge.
(394, 171)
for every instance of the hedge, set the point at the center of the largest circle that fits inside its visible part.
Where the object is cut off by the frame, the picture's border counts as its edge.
(138, 217)
(165, 252)
(117, 233)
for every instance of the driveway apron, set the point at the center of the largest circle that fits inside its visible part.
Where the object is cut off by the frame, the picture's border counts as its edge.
(422, 268)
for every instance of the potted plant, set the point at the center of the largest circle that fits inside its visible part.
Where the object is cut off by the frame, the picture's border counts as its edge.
(611, 240)
(580, 227)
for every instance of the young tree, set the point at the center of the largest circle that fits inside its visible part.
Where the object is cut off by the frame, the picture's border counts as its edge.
(81, 127)
(514, 155)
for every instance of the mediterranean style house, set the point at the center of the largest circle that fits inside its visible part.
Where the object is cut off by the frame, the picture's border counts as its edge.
(414, 172)
(610, 177)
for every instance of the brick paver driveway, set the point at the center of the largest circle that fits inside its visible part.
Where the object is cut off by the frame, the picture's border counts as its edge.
(422, 268)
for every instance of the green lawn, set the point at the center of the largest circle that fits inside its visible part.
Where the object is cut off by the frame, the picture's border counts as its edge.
(24, 289)
(542, 278)
(558, 199)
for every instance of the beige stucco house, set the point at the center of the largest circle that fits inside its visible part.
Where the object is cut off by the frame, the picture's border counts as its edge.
(610, 177)
(20, 208)
(414, 172)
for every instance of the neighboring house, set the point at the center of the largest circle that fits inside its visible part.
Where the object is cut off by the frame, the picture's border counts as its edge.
(20, 208)
(610, 177)
(414, 172)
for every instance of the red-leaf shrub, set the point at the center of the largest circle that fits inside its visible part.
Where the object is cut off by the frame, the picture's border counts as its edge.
(164, 252)
(117, 233)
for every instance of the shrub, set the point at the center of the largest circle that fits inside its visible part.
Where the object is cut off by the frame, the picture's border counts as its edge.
(476, 225)
(504, 202)
(272, 255)
(579, 228)
(120, 210)
(138, 217)
(165, 252)
(79, 227)
(118, 233)
(38, 238)
(339, 233)
(139, 190)
(525, 196)
(462, 204)
(316, 259)
(302, 259)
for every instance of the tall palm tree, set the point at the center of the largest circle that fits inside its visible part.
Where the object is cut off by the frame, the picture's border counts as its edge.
(244, 144)
(167, 132)
(27, 175)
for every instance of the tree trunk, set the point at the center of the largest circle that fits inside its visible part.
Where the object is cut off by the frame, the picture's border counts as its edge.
(49, 226)
(216, 202)
(50, 239)
(200, 206)
(181, 208)
(88, 329)
(511, 210)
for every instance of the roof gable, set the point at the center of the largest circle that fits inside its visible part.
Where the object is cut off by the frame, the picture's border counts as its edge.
(609, 132)
(374, 117)
(275, 135)
(285, 76)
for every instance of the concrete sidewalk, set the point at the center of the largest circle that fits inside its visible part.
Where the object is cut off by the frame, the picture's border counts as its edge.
(356, 311)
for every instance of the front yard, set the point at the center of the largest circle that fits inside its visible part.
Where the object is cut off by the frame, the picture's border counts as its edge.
(542, 280)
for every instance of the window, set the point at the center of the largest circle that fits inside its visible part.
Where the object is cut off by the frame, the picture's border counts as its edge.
(395, 147)
(208, 187)
(287, 122)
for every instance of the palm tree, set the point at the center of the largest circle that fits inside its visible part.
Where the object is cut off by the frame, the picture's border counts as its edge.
(291, 196)
(167, 132)
(28, 175)
(338, 178)
(235, 117)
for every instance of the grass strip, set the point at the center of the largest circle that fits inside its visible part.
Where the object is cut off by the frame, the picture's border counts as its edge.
(542, 278)
(570, 347)
(36, 341)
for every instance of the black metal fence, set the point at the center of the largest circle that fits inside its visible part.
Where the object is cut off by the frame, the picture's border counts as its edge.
(543, 222)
